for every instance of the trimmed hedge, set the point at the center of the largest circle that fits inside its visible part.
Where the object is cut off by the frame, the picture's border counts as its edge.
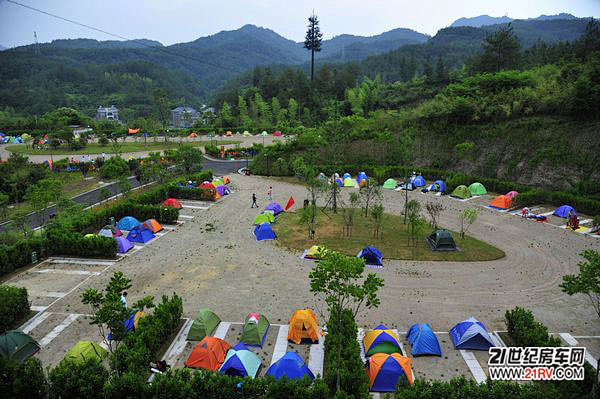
(140, 348)
(202, 194)
(63, 242)
(342, 354)
(18, 255)
(14, 305)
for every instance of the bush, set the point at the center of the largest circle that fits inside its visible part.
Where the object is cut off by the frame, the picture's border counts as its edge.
(18, 255)
(176, 191)
(64, 242)
(525, 331)
(22, 380)
(113, 168)
(78, 380)
(342, 354)
(139, 348)
(13, 306)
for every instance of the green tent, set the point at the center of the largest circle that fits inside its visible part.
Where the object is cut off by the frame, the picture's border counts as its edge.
(255, 330)
(441, 240)
(84, 350)
(17, 345)
(390, 184)
(270, 215)
(204, 325)
(477, 189)
(262, 218)
(461, 192)
(264, 133)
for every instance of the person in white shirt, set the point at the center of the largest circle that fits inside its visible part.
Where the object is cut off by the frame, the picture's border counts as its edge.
(124, 298)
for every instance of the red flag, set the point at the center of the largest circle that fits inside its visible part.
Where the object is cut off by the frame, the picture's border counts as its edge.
(290, 203)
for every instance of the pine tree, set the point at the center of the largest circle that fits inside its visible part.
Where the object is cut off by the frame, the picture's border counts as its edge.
(312, 41)
(427, 72)
(245, 120)
(501, 50)
(441, 71)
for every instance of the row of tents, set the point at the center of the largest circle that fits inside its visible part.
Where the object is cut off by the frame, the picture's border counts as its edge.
(215, 354)
(219, 185)
(386, 365)
(246, 133)
(262, 222)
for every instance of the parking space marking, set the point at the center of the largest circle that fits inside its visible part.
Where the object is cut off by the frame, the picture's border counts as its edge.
(474, 366)
(38, 308)
(98, 262)
(78, 272)
(316, 357)
(186, 216)
(359, 336)
(496, 339)
(221, 330)
(179, 343)
(569, 339)
(195, 207)
(36, 321)
(281, 344)
(58, 329)
(50, 294)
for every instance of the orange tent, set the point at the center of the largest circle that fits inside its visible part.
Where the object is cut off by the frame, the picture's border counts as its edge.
(133, 131)
(172, 203)
(193, 135)
(226, 180)
(153, 225)
(209, 354)
(385, 370)
(303, 325)
(502, 202)
(229, 133)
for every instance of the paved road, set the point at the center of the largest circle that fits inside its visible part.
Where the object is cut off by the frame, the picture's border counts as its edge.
(37, 219)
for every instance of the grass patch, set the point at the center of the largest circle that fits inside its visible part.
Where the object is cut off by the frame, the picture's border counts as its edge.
(95, 148)
(393, 245)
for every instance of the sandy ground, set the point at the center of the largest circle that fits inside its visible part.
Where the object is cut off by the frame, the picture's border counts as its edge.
(224, 268)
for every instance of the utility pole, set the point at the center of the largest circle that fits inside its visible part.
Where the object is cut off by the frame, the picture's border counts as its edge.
(37, 45)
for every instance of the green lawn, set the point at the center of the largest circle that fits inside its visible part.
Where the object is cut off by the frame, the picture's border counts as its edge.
(393, 244)
(95, 148)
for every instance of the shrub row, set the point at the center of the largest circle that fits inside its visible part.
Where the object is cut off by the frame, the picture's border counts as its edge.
(18, 255)
(64, 242)
(342, 357)
(139, 348)
(14, 305)
(525, 331)
(203, 194)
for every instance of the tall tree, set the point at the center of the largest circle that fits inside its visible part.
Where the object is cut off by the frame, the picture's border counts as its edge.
(312, 41)
(501, 50)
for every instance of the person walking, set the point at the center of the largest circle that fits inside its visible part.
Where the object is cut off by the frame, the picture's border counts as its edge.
(124, 299)
(254, 201)
(270, 193)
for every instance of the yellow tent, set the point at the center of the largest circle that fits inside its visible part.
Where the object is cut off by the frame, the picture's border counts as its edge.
(316, 252)
(89, 236)
(303, 325)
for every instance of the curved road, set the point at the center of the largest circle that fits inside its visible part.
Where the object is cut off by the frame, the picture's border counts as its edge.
(36, 219)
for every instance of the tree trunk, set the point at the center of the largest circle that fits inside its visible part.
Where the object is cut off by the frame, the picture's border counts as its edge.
(312, 65)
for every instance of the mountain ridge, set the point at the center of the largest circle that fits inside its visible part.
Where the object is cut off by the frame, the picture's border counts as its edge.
(485, 20)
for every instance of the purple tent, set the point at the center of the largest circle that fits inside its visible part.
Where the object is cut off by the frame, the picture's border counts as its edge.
(223, 190)
(275, 207)
(123, 244)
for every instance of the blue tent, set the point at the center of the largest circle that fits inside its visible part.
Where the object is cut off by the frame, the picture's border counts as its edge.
(563, 211)
(264, 232)
(471, 334)
(128, 223)
(423, 340)
(346, 175)
(240, 362)
(419, 181)
(140, 234)
(371, 255)
(291, 366)
(438, 185)
(361, 176)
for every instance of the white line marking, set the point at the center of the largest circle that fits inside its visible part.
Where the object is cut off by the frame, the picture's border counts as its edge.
(221, 330)
(79, 272)
(586, 336)
(568, 338)
(49, 294)
(316, 357)
(497, 340)
(36, 321)
(280, 344)
(83, 261)
(404, 353)
(546, 213)
(58, 329)
(179, 343)
(474, 366)
(186, 216)
(38, 308)
(194, 207)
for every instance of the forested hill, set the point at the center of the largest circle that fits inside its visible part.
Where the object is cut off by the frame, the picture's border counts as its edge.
(483, 20)
(107, 44)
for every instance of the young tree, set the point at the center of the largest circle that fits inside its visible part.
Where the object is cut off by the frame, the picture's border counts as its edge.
(104, 194)
(292, 111)
(124, 186)
(377, 216)
(415, 220)
(162, 106)
(84, 168)
(501, 50)
(312, 42)
(4, 200)
(434, 209)
(245, 120)
(315, 189)
(20, 220)
(189, 158)
(42, 194)
(370, 193)
(466, 218)
(308, 217)
(587, 281)
(108, 312)
(348, 213)
(441, 71)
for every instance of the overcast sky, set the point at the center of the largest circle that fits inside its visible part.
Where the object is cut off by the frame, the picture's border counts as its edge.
(176, 21)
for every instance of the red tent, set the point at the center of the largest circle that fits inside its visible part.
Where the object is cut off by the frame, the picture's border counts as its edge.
(172, 203)
(277, 133)
(133, 131)
(209, 186)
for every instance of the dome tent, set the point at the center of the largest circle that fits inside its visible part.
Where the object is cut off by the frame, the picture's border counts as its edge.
(471, 334)
(240, 362)
(204, 324)
(477, 189)
(303, 326)
(461, 192)
(127, 223)
(423, 340)
(17, 345)
(441, 240)
(390, 184)
(563, 211)
(209, 354)
(381, 340)
(290, 366)
(371, 255)
(385, 370)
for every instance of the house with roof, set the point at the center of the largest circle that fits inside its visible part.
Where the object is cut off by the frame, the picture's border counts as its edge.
(184, 117)
(109, 113)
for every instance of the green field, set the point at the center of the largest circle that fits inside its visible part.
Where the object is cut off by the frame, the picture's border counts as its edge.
(393, 244)
(95, 148)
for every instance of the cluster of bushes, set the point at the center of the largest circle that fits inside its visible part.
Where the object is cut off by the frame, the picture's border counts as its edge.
(580, 203)
(18, 255)
(22, 380)
(14, 306)
(114, 167)
(525, 331)
(342, 357)
(215, 151)
(64, 242)
(195, 193)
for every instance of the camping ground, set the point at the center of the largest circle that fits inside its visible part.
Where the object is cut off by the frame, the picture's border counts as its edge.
(213, 261)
